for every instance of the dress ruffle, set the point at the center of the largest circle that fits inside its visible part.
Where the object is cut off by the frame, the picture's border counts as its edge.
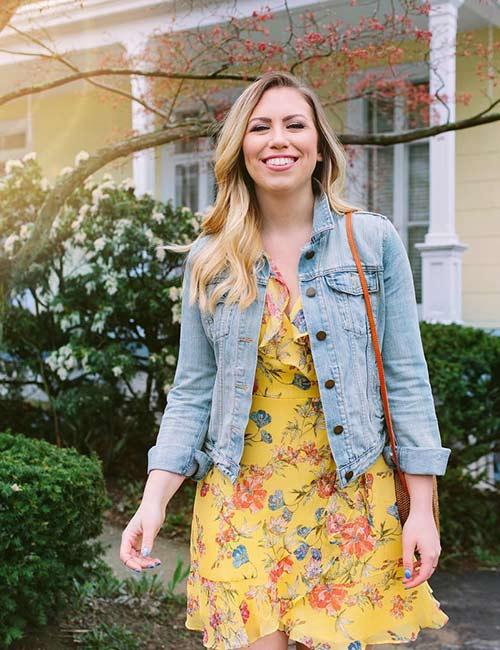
(241, 612)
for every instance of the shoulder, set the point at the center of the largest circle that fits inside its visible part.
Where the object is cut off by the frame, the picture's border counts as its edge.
(367, 215)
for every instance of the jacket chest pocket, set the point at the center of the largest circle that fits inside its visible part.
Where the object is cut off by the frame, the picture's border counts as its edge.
(218, 324)
(345, 287)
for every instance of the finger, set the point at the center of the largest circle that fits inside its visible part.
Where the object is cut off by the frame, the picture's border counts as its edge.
(408, 559)
(128, 546)
(424, 572)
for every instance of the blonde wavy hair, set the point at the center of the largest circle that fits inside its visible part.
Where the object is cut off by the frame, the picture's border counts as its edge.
(232, 225)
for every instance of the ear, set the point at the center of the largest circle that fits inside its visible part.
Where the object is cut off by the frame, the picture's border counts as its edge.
(320, 155)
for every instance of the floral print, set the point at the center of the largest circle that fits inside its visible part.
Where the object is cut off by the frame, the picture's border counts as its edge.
(285, 547)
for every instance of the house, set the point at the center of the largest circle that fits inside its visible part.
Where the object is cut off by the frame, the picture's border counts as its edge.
(443, 193)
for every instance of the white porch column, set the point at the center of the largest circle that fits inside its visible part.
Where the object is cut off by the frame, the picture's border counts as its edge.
(442, 252)
(143, 163)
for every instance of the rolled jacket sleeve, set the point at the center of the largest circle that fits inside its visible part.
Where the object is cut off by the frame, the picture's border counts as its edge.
(184, 423)
(411, 403)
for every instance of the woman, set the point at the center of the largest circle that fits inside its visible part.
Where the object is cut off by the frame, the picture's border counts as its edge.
(297, 535)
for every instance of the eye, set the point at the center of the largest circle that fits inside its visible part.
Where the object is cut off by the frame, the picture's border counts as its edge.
(262, 126)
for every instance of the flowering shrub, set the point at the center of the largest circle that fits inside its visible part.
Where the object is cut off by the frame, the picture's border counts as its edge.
(91, 332)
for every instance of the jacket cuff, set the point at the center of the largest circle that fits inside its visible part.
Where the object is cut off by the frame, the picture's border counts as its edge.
(419, 460)
(187, 461)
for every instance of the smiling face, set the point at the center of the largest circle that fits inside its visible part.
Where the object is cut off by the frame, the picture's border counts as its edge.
(281, 127)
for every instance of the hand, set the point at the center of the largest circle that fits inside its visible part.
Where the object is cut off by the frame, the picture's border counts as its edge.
(139, 535)
(420, 531)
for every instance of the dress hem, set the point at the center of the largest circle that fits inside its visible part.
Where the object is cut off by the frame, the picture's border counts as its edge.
(389, 640)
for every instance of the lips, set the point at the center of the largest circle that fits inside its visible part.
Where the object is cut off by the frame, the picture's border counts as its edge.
(264, 160)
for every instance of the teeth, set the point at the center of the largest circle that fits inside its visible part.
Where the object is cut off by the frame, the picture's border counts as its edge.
(279, 161)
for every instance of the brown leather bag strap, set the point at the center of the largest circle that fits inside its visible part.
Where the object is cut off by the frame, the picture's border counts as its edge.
(378, 356)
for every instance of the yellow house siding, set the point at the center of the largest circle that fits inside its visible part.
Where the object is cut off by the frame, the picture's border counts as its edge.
(478, 200)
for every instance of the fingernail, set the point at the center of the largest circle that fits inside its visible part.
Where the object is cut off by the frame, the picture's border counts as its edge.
(407, 573)
(151, 566)
(145, 551)
(157, 563)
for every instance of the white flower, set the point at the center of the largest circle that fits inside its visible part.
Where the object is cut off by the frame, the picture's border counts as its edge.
(121, 226)
(90, 286)
(44, 184)
(15, 487)
(170, 360)
(128, 184)
(195, 224)
(174, 293)
(57, 307)
(160, 253)
(80, 237)
(149, 234)
(81, 156)
(97, 195)
(63, 373)
(117, 371)
(65, 170)
(99, 244)
(9, 243)
(29, 156)
(159, 217)
(82, 212)
(111, 284)
(26, 230)
(176, 313)
(107, 177)
(185, 210)
(13, 164)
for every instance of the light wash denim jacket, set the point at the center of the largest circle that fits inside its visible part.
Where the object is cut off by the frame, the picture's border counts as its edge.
(208, 405)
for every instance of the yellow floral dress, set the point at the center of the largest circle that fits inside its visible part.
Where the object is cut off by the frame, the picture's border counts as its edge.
(285, 547)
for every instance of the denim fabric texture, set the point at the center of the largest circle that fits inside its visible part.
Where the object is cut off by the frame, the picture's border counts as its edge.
(208, 405)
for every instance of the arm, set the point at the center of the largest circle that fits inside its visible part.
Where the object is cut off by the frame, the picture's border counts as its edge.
(184, 422)
(408, 388)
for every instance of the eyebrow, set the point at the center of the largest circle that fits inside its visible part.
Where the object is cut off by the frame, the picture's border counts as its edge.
(287, 117)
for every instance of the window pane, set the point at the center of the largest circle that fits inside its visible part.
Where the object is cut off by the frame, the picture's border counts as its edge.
(418, 207)
(211, 185)
(14, 141)
(186, 185)
(416, 234)
(381, 180)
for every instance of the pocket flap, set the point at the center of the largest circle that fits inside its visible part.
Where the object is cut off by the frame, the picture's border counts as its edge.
(350, 282)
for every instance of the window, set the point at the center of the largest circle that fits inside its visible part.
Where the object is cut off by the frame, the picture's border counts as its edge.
(187, 171)
(398, 175)
(13, 141)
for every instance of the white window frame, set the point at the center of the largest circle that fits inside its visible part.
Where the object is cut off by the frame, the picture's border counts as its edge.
(356, 123)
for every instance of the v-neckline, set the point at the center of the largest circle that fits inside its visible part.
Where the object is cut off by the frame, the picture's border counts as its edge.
(292, 310)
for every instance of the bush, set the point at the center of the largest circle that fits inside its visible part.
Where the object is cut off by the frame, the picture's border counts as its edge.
(51, 505)
(464, 369)
(91, 330)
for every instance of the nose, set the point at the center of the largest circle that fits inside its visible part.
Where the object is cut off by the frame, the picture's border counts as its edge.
(278, 137)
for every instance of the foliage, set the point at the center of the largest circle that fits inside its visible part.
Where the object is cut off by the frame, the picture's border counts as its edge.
(91, 332)
(464, 369)
(51, 506)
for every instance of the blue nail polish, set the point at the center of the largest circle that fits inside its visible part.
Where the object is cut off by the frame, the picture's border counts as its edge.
(407, 573)
(145, 551)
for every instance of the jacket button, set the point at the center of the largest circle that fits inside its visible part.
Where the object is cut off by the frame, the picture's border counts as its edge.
(309, 254)
(338, 429)
(320, 335)
(348, 475)
(330, 383)
(310, 291)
